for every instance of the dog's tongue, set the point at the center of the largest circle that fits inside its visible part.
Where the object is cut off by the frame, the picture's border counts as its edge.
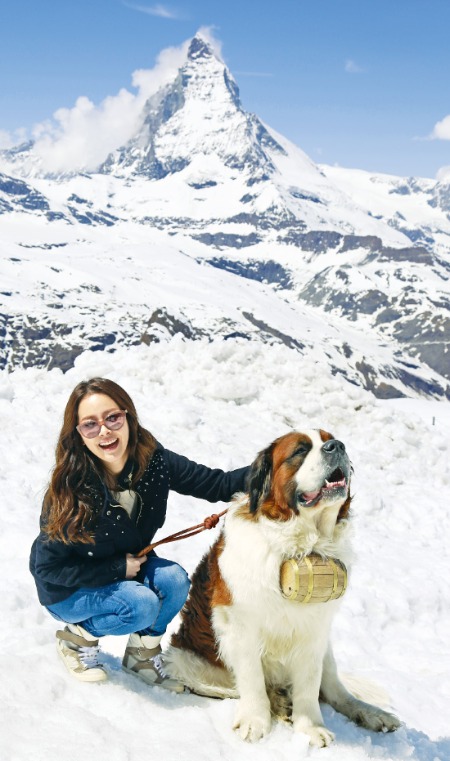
(309, 496)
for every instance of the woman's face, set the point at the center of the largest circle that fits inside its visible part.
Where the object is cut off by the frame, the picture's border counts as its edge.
(111, 447)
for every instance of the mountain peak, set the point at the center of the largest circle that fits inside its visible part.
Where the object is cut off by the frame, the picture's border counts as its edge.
(199, 48)
(198, 114)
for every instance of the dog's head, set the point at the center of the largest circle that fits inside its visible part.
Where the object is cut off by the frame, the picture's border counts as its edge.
(300, 471)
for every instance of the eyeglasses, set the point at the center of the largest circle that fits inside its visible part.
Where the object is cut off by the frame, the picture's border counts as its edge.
(92, 427)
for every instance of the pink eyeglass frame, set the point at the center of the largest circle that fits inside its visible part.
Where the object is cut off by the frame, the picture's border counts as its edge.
(100, 422)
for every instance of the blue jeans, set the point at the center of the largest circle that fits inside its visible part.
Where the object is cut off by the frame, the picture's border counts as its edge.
(129, 606)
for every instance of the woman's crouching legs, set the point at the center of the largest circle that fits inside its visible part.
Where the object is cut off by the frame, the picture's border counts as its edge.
(141, 610)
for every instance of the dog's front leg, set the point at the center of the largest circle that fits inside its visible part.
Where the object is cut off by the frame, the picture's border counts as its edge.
(306, 713)
(242, 653)
(367, 715)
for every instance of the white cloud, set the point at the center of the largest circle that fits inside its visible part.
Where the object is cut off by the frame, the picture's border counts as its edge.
(352, 68)
(156, 10)
(9, 139)
(443, 174)
(441, 130)
(6, 140)
(80, 138)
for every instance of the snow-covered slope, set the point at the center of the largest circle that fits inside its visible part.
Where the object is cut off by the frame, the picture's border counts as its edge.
(207, 222)
(417, 207)
(220, 403)
(71, 293)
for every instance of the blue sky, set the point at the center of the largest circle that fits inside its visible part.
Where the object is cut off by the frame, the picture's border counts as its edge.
(357, 83)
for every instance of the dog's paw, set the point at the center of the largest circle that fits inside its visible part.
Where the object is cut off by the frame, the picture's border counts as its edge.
(376, 719)
(250, 726)
(319, 736)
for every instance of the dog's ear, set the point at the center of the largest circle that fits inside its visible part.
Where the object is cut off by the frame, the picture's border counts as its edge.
(260, 479)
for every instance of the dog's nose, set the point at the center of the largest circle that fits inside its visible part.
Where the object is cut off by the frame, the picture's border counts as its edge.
(333, 446)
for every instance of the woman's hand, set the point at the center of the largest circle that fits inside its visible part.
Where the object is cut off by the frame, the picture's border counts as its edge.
(133, 565)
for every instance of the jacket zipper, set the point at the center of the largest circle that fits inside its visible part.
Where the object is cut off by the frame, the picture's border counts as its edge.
(140, 507)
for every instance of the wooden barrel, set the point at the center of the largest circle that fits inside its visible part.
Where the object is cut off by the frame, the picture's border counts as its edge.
(313, 579)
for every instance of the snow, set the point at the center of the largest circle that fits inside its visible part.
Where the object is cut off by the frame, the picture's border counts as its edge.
(220, 403)
(408, 209)
(67, 275)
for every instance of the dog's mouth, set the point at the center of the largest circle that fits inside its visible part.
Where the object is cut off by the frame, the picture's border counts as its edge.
(335, 485)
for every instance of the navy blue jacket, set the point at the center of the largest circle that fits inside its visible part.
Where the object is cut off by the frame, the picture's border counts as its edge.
(60, 569)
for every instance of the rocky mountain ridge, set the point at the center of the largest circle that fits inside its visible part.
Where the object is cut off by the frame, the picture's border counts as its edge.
(202, 180)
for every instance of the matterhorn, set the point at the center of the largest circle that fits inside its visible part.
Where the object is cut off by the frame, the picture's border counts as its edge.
(209, 225)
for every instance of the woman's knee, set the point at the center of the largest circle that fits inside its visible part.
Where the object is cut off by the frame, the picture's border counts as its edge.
(139, 606)
(171, 580)
(181, 585)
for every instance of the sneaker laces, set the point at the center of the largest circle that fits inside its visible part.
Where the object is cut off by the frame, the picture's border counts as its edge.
(158, 663)
(89, 656)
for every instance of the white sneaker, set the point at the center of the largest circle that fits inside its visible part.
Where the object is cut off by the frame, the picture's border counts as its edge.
(143, 657)
(79, 652)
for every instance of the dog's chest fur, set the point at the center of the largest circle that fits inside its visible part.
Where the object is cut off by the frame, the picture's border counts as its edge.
(249, 564)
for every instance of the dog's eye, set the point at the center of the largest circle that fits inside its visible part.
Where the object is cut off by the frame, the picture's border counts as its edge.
(302, 449)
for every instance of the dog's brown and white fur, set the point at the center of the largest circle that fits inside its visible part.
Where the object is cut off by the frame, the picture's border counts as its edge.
(239, 637)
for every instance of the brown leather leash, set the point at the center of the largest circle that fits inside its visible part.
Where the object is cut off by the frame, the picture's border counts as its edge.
(210, 522)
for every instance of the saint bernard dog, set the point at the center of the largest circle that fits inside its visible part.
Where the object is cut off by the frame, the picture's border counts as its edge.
(239, 637)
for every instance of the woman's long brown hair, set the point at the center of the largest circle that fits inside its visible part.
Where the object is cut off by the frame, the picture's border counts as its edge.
(67, 511)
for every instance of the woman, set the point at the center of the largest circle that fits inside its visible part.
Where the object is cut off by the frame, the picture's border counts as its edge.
(106, 499)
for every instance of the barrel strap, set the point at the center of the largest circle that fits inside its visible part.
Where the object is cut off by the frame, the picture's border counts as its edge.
(344, 586)
(310, 579)
(335, 579)
(296, 580)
